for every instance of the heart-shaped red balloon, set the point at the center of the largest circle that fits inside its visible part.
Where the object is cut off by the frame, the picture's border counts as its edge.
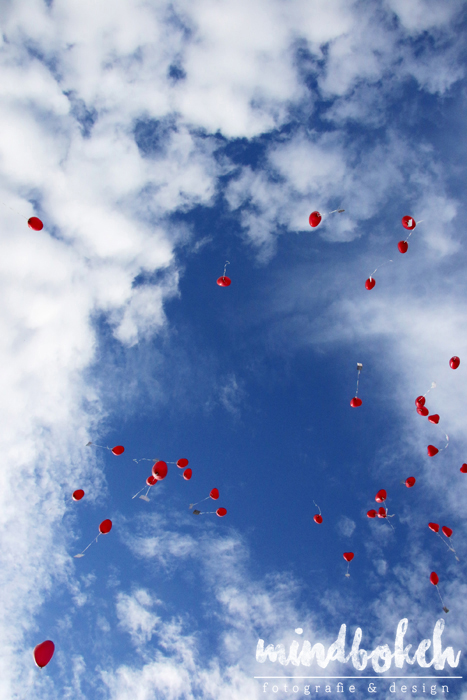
(187, 474)
(434, 527)
(420, 401)
(403, 246)
(370, 283)
(43, 653)
(356, 402)
(381, 512)
(454, 362)
(214, 493)
(221, 512)
(432, 450)
(381, 496)
(118, 450)
(314, 219)
(35, 223)
(371, 514)
(434, 418)
(422, 411)
(318, 519)
(434, 578)
(410, 482)
(182, 463)
(408, 222)
(159, 470)
(224, 281)
(446, 531)
(105, 527)
(348, 556)
(463, 469)
(78, 495)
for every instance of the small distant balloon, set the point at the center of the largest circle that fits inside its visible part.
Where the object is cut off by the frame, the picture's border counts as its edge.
(446, 531)
(187, 474)
(221, 512)
(423, 411)
(151, 480)
(356, 402)
(382, 512)
(463, 469)
(224, 281)
(434, 578)
(159, 470)
(36, 225)
(214, 494)
(403, 246)
(434, 418)
(182, 463)
(348, 556)
(454, 362)
(410, 482)
(408, 222)
(314, 219)
(420, 401)
(434, 527)
(432, 450)
(118, 450)
(371, 514)
(43, 653)
(381, 496)
(318, 519)
(78, 495)
(105, 527)
(370, 283)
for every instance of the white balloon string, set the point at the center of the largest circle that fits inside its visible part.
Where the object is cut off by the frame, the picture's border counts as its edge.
(225, 266)
(16, 212)
(137, 494)
(317, 507)
(379, 266)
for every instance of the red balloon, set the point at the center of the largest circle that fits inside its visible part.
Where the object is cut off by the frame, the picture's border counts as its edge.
(408, 222)
(118, 450)
(463, 469)
(224, 281)
(214, 494)
(314, 219)
(371, 514)
(348, 556)
(370, 283)
(105, 526)
(356, 402)
(423, 411)
(36, 225)
(43, 653)
(318, 519)
(182, 463)
(420, 401)
(78, 495)
(434, 578)
(381, 496)
(432, 450)
(221, 512)
(159, 470)
(446, 531)
(410, 482)
(454, 362)
(403, 246)
(434, 527)
(187, 474)
(151, 480)
(382, 512)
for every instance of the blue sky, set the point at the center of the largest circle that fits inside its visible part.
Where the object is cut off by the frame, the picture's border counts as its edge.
(156, 141)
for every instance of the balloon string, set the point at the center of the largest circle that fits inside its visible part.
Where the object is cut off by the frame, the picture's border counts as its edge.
(448, 545)
(442, 601)
(102, 446)
(315, 501)
(225, 266)
(339, 211)
(16, 212)
(433, 386)
(348, 565)
(137, 494)
(192, 505)
(358, 379)
(383, 263)
(82, 553)
(149, 459)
